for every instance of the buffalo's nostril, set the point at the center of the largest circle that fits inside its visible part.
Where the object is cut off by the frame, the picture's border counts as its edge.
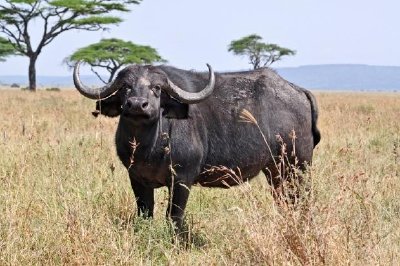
(137, 104)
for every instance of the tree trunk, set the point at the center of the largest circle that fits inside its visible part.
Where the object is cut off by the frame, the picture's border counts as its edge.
(112, 74)
(32, 72)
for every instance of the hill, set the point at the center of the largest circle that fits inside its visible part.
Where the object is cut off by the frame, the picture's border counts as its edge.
(344, 77)
(48, 81)
(321, 77)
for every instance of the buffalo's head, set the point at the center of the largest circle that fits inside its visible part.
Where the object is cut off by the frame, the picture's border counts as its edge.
(139, 93)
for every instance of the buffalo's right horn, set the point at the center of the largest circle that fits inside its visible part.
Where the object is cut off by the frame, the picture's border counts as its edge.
(192, 97)
(93, 93)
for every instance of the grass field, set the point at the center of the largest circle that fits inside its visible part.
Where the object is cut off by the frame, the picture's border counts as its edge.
(66, 199)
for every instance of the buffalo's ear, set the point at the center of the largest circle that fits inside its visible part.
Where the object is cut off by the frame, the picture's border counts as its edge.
(110, 107)
(173, 108)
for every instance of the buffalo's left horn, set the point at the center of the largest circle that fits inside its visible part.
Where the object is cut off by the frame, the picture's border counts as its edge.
(93, 93)
(192, 97)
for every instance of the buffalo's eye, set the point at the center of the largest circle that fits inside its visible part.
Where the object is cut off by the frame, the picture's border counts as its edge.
(157, 90)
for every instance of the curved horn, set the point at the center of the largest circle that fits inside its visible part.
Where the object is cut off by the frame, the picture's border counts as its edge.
(192, 97)
(93, 93)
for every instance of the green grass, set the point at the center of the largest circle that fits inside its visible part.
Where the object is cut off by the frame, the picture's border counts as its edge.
(66, 199)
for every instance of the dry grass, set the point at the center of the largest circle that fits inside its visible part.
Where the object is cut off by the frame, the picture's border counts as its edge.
(66, 199)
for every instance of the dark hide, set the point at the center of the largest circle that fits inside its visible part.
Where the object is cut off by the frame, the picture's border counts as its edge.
(172, 108)
(110, 107)
(156, 132)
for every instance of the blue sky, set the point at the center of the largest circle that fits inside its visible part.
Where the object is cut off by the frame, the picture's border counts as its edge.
(190, 34)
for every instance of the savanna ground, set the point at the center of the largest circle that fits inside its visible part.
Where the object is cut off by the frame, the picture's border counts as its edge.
(66, 199)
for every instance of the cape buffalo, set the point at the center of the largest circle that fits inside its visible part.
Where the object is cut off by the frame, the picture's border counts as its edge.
(178, 128)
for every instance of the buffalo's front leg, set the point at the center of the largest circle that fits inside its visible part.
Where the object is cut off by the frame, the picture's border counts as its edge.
(179, 194)
(144, 198)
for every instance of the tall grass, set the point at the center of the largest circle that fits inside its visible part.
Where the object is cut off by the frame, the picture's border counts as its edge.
(66, 199)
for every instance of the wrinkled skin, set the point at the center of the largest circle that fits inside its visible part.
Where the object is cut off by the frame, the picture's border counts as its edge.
(193, 138)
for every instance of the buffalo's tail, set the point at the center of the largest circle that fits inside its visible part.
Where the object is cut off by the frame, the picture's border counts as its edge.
(314, 114)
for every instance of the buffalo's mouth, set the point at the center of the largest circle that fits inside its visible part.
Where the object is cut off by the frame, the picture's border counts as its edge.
(136, 115)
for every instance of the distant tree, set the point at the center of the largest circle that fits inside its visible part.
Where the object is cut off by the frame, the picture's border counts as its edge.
(260, 54)
(54, 17)
(112, 54)
(6, 49)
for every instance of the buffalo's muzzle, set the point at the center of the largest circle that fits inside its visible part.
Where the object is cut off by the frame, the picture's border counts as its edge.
(137, 105)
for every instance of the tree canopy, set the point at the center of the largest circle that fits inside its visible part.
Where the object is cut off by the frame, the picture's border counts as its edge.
(6, 49)
(54, 17)
(259, 53)
(112, 54)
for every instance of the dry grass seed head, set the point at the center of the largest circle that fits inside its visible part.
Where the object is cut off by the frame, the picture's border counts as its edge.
(247, 117)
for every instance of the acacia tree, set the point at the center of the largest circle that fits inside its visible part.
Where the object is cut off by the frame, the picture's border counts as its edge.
(112, 54)
(6, 49)
(54, 17)
(260, 54)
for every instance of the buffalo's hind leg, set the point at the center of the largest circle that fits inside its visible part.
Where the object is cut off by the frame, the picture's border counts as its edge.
(275, 181)
(286, 185)
(144, 198)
